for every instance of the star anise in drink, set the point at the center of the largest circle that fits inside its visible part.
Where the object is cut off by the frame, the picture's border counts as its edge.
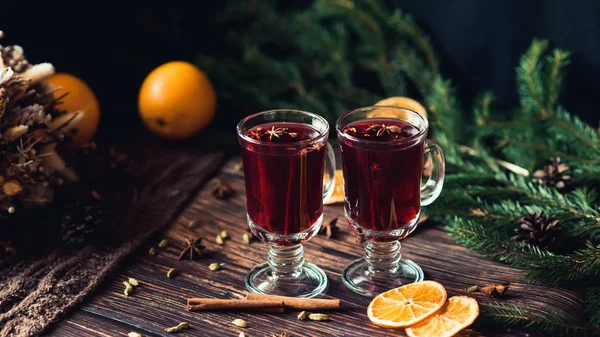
(257, 133)
(278, 132)
(192, 249)
(393, 131)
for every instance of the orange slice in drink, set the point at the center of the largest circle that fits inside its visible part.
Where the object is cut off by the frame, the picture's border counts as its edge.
(397, 101)
(458, 313)
(404, 306)
(338, 190)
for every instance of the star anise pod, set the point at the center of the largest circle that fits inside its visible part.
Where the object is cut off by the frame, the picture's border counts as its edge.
(495, 290)
(555, 174)
(257, 133)
(222, 190)
(330, 228)
(192, 249)
(380, 129)
(539, 230)
(278, 132)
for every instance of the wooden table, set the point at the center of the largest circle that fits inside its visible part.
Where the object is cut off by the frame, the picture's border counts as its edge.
(160, 302)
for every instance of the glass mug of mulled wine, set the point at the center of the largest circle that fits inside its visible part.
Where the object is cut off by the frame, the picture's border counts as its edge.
(383, 159)
(286, 155)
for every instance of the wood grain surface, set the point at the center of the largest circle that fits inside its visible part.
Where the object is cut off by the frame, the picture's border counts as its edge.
(160, 302)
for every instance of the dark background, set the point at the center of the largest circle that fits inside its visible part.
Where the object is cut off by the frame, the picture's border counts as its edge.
(114, 47)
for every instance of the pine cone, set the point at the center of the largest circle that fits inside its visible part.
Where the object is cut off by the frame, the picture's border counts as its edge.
(539, 230)
(13, 57)
(555, 174)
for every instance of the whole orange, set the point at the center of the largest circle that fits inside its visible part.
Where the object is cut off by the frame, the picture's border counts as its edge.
(177, 100)
(79, 98)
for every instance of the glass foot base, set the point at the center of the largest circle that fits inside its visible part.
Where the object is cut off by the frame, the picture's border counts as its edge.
(310, 282)
(357, 277)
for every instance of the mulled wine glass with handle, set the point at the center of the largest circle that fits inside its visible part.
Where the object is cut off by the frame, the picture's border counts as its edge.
(383, 153)
(286, 155)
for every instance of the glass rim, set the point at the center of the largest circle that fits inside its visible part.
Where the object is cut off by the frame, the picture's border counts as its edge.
(320, 134)
(421, 132)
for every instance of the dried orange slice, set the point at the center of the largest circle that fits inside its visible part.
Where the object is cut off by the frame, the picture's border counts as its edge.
(458, 313)
(338, 190)
(399, 101)
(404, 306)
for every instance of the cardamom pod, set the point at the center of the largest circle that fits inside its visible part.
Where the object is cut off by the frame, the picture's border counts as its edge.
(302, 316)
(163, 243)
(152, 251)
(246, 238)
(240, 322)
(219, 239)
(224, 234)
(133, 282)
(472, 289)
(318, 317)
(128, 288)
(133, 334)
(171, 273)
(215, 266)
(179, 327)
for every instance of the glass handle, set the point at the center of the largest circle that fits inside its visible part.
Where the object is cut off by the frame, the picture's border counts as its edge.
(433, 187)
(329, 170)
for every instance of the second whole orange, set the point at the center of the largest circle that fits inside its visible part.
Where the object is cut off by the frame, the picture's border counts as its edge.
(177, 100)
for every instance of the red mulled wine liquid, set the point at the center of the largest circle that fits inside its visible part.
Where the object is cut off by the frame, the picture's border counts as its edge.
(382, 183)
(284, 184)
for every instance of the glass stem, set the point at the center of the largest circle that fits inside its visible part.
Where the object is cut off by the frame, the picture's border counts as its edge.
(382, 258)
(286, 261)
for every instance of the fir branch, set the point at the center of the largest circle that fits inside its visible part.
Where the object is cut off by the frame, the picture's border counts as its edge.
(549, 323)
(529, 79)
(481, 110)
(443, 105)
(556, 63)
(577, 129)
(404, 24)
(592, 301)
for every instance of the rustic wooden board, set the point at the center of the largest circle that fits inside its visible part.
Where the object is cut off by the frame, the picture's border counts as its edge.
(160, 302)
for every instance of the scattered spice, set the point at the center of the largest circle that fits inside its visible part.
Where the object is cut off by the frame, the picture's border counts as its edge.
(303, 316)
(96, 195)
(224, 234)
(219, 239)
(318, 317)
(215, 266)
(152, 251)
(163, 243)
(192, 249)
(247, 237)
(238, 167)
(133, 334)
(133, 282)
(128, 288)
(171, 273)
(222, 190)
(283, 334)
(329, 228)
(179, 327)
(472, 289)
(497, 290)
(242, 334)
(193, 223)
(240, 322)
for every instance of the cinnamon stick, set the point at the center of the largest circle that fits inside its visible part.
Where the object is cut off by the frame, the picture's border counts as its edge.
(202, 304)
(298, 303)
